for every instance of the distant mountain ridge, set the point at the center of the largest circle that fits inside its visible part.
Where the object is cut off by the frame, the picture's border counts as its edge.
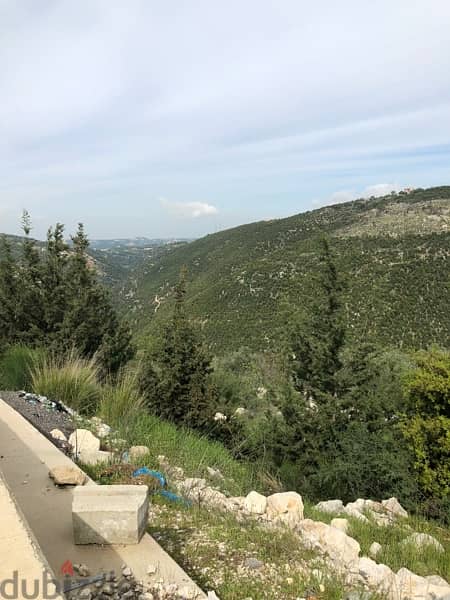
(245, 283)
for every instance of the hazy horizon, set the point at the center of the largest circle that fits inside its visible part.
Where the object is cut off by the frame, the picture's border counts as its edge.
(171, 121)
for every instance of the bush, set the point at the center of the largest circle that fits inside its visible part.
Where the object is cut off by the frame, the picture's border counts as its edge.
(71, 380)
(16, 365)
(121, 401)
(427, 426)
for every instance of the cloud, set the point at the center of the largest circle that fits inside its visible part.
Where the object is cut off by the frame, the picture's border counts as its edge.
(380, 189)
(371, 191)
(189, 210)
(307, 100)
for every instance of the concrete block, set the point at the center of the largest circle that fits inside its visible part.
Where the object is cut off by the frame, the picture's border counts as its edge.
(109, 514)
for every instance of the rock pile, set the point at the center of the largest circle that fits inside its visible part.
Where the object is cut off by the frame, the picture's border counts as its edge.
(110, 586)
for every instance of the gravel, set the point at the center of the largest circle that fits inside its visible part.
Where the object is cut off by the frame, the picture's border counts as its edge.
(42, 417)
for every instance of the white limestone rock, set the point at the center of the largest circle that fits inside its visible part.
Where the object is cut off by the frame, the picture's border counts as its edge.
(333, 507)
(375, 549)
(423, 540)
(341, 548)
(57, 434)
(393, 507)
(136, 452)
(67, 475)
(285, 507)
(83, 441)
(255, 503)
(341, 524)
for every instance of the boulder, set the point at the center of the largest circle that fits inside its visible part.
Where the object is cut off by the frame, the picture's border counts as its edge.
(393, 506)
(379, 577)
(354, 509)
(375, 549)
(341, 548)
(109, 514)
(287, 507)
(67, 475)
(409, 585)
(341, 524)
(96, 457)
(57, 434)
(136, 452)
(332, 507)
(255, 503)
(423, 540)
(83, 441)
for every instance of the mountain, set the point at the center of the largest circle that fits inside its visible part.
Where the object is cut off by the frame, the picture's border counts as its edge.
(246, 283)
(115, 260)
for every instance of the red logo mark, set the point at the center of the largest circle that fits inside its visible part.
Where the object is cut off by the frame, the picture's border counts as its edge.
(67, 568)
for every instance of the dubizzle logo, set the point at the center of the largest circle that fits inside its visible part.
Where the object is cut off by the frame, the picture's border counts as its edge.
(67, 569)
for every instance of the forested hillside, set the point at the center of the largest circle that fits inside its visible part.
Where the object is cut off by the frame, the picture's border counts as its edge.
(245, 283)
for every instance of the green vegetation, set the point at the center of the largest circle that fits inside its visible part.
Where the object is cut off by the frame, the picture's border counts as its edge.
(53, 299)
(298, 356)
(247, 283)
(175, 379)
(70, 379)
(16, 365)
(120, 399)
(427, 428)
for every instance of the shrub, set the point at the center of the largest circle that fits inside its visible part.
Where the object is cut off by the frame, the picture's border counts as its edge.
(71, 379)
(121, 401)
(16, 365)
(427, 427)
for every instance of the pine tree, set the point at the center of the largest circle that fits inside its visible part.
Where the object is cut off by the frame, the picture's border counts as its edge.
(176, 380)
(90, 322)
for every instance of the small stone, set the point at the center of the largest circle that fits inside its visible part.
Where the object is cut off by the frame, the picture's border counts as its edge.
(151, 569)
(187, 593)
(375, 549)
(136, 452)
(67, 475)
(83, 570)
(57, 434)
(85, 594)
(108, 589)
(253, 563)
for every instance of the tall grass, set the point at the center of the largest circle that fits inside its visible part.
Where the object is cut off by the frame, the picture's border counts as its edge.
(189, 450)
(121, 401)
(16, 365)
(71, 380)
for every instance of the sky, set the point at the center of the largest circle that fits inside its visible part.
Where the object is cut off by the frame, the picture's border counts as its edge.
(178, 119)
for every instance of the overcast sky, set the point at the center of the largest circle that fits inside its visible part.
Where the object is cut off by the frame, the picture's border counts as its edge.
(171, 118)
